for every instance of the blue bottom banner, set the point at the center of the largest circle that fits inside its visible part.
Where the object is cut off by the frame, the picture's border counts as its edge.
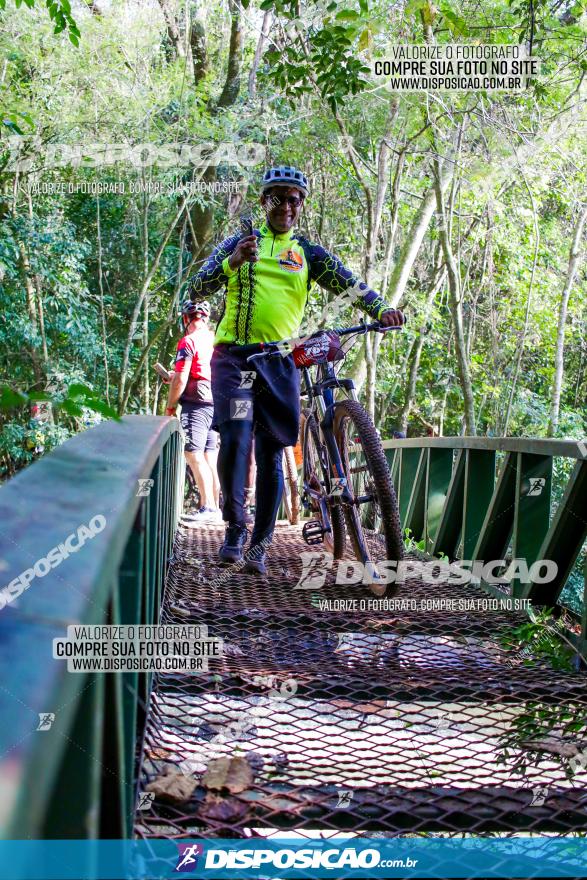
(337, 857)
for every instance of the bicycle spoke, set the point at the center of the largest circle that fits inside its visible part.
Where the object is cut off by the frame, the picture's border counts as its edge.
(362, 487)
(314, 468)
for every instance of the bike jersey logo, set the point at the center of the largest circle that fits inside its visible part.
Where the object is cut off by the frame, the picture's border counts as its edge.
(290, 261)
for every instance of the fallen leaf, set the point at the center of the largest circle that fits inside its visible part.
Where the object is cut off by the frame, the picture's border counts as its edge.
(158, 753)
(222, 808)
(374, 707)
(234, 774)
(173, 785)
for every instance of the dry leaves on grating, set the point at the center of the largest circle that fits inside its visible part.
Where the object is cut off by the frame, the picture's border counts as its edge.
(222, 809)
(173, 785)
(233, 774)
(554, 746)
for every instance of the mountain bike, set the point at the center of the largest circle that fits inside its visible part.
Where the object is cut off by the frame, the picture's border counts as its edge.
(346, 482)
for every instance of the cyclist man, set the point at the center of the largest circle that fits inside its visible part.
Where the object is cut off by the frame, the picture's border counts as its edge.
(267, 276)
(190, 386)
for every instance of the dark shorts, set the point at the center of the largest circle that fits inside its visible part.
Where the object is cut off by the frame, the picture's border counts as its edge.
(270, 397)
(196, 421)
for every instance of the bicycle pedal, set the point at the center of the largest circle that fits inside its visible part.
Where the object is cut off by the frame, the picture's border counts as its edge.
(313, 532)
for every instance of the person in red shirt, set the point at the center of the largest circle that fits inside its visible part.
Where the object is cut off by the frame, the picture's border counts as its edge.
(191, 388)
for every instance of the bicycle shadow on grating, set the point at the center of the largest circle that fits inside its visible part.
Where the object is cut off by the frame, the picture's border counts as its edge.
(324, 714)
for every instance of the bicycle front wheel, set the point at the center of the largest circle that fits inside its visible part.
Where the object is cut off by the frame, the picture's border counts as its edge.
(373, 522)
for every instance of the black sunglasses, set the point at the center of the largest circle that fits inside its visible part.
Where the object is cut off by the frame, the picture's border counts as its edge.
(293, 201)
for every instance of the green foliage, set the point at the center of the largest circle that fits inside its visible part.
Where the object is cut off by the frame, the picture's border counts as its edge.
(59, 12)
(77, 398)
(456, 23)
(543, 731)
(330, 61)
(316, 61)
(540, 725)
(22, 443)
(411, 545)
(541, 638)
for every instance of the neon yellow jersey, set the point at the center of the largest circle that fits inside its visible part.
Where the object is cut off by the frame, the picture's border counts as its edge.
(266, 300)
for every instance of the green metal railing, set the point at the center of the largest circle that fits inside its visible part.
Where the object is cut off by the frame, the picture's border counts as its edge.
(76, 777)
(454, 497)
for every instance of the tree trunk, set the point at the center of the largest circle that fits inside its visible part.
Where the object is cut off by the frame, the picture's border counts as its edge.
(410, 395)
(416, 352)
(393, 225)
(172, 28)
(202, 219)
(199, 51)
(146, 303)
(372, 344)
(163, 352)
(39, 295)
(123, 395)
(202, 216)
(413, 241)
(233, 70)
(574, 256)
(28, 284)
(520, 352)
(265, 28)
(102, 309)
(455, 303)
(25, 264)
(382, 184)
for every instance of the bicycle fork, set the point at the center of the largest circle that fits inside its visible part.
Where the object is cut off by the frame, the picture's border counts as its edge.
(339, 492)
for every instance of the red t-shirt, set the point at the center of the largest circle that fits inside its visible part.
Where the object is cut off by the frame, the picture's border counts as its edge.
(194, 352)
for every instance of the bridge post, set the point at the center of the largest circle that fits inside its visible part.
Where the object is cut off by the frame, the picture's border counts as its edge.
(532, 510)
(479, 488)
(439, 472)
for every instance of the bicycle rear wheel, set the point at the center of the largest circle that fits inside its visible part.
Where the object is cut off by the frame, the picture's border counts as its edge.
(314, 476)
(373, 525)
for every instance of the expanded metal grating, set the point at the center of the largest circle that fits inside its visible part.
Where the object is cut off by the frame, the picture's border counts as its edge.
(365, 721)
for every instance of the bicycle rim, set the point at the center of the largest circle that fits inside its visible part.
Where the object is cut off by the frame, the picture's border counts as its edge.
(313, 471)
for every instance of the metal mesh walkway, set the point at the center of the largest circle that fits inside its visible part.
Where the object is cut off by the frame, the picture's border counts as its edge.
(341, 719)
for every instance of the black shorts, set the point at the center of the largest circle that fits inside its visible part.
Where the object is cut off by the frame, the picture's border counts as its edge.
(266, 391)
(196, 419)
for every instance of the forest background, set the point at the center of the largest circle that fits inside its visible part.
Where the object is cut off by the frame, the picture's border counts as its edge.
(467, 210)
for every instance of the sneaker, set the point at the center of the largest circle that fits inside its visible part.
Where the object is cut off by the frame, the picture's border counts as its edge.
(234, 541)
(255, 561)
(204, 514)
(211, 514)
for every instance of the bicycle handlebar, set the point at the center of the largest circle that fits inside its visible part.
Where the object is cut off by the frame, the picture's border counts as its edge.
(273, 349)
(376, 327)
